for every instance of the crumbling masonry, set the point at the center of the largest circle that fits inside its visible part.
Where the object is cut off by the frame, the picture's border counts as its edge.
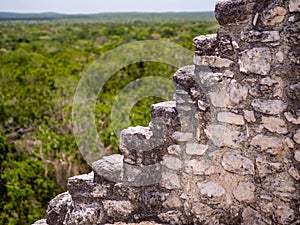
(227, 151)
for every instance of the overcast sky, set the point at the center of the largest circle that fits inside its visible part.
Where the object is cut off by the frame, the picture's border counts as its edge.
(96, 6)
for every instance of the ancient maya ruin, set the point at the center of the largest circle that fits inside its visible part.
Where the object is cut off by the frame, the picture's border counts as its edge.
(229, 149)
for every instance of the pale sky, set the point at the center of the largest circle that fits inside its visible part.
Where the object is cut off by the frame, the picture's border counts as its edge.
(98, 6)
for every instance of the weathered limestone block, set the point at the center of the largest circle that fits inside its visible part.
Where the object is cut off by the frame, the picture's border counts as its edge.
(212, 61)
(268, 81)
(117, 210)
(140, 147)
(170, 181)
(101, 191)
(172, 162)
(257, 36)
(175, 150)
(284, 214)
(80, 187)
(110, 167)
(251, 216)
(164, 118)
(196, 167)
(256, 60)
(84, 215)
(237, 93)
(135, 138)
(206, 44)
(294, 173)
(182, 137)
(289, 143)
(232, 118)
(266, 168)
(293, 91)
(249, 116)
(236, 163)
(224, 135)
(231, 11)
(291, 118)
(244, 192)
(195, 149)
(269, 106)
(203, 106)
(297, 155)
(294, 6)
(185, 79)
(294, 56)
(274, 124)
(58, 208)
(173, 217)
(172, 202)
(272, 144)
(199, 208)
(273, 15)
(297, 136)
(141, 175)
(211, 189)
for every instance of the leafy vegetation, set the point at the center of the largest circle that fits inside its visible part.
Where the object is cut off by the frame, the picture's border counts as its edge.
(40, 67)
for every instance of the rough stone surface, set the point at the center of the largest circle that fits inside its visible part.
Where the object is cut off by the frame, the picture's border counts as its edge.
(297, 136)
(262, 142)
(83, 215)
(115, 209)
(110, 167)
(211, 189)
(226, 151)
(58, 208)
(294, 6)
(196, 167)
(182, 137)
(232, 11)
(170, 181)
(294, 173)
(174, 150)
(244, 192)
(172, 162)
(40, 222)
(256, 36)
(291, 118)
(251, 216)
(256, 60)
(266, 168)
(232, 118)
(297, 156)
(249, 116)
(205, 44)
(273, 15)
(274, 124)
(269, 106)
(195, 149)
(212, 61)
(223, 136)
(236, 163)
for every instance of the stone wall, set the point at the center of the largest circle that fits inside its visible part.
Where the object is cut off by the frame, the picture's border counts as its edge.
(226, 151)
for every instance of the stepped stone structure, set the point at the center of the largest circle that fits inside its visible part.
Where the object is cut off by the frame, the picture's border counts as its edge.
(226, 151)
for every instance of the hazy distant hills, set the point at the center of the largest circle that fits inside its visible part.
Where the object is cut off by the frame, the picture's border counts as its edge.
(107, 17)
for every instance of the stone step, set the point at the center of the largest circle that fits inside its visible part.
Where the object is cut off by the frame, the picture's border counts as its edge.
(139, 146)
(164, 118)
(108, 169)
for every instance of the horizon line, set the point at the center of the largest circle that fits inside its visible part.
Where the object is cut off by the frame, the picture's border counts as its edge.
(94, 13)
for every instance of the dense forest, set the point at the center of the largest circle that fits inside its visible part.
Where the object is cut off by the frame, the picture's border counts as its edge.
(41, 63)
